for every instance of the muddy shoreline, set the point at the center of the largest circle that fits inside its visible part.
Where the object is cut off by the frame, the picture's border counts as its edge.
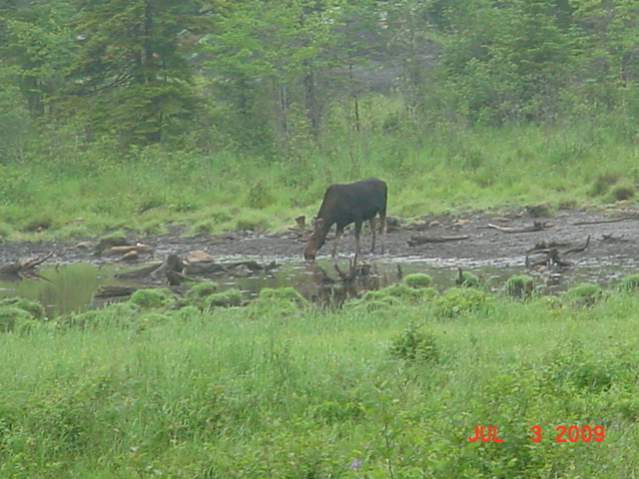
(611, 243)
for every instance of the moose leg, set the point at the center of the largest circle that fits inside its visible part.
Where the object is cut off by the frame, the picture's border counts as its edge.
(373, 226)
(358, 230)
(382, 229)
(338, 235)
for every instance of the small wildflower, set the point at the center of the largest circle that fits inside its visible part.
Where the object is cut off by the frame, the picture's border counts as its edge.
(356, 464)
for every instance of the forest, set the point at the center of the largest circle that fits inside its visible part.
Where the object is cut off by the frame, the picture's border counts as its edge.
(231, 114)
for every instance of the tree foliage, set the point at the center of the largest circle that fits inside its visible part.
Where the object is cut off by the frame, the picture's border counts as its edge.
(269, 76)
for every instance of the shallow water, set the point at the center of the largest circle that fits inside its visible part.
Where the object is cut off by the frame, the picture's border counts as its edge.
(71, 288)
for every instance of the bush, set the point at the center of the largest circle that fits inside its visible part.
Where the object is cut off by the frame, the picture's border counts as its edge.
(187, 313)
(520, 286)
(584, 295)
(418, 280)
(414, 344)
(33, 308)
(223, 299)
(152, 298)
(458, 301)
(629, 284)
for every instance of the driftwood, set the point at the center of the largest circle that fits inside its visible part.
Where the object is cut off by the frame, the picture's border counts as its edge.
(27, 266)
(106, 292)
(612, 238)
(139, 273)
(419, 240)
(552, 256)
(543, 245)
(579, 249)
(601, 222)
(138, 248)
(536, 226)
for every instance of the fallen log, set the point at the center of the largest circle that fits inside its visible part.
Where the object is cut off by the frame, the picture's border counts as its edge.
(536, 226)
(140, 272)
(601, 222)
(545, 245)
(419, 240)
(114, 291)
(139, 248)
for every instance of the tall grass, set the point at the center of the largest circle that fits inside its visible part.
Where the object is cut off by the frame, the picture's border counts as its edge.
(75, 191)
(318, 394)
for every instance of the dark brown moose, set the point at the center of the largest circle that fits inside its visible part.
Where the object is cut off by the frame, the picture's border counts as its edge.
(344, 204)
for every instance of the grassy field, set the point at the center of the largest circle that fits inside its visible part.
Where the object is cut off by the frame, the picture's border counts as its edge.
(78, 191)
(390, 386)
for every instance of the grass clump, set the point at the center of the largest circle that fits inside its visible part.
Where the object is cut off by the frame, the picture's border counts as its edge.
(223, 299)
(15, 320)
(467, 279)
(34, 308)
(520, 286)
(152, 298)
(458, 301)
(282, 301)
(413, 344)
(630, 283)
(584, 295)
(200, 291)
(623, 191)
(418, 280)
(603, 182)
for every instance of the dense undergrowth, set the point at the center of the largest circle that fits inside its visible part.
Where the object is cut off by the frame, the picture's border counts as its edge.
(86, 191)
(391, 385)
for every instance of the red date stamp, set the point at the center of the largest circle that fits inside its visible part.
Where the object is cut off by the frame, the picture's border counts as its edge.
(563, 434)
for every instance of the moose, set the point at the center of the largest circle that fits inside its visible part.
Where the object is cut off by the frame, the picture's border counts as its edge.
(344, 204)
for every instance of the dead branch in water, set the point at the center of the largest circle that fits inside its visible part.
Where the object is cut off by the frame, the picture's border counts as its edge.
(552, 256)
(536, 226)
(24, 266)
(419, 240)
(601, 222)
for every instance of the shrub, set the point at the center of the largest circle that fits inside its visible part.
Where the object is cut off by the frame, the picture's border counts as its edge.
(584, 295)
(629, 284)
(152, 298)
(414, 344)
(418, 280)
(520, 286)
(457, 301)
(224, 299)
(33, 308)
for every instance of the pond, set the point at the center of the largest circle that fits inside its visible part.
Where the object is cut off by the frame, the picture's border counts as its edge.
(70, 288)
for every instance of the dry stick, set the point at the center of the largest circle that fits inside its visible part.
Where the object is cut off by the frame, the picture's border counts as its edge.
(418, 240)
(599, 222)
(578, 249)
(536, 226)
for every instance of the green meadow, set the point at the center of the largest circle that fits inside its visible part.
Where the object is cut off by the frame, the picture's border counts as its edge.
(390, 386)
(87, 192)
